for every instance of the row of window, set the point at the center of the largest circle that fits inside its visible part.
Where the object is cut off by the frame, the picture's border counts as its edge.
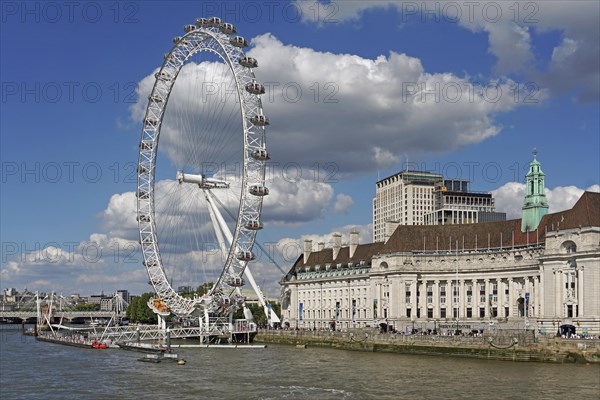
(470, 312)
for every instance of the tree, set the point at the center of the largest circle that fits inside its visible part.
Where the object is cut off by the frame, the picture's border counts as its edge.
(204, 288)
(87, 307)
(258, 312)
(138, 310)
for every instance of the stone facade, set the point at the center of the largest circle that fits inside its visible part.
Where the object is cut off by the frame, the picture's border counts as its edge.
(570, 277)
(474, 276)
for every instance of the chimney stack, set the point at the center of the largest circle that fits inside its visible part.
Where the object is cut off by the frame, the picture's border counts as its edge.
(321, 246)
(353, 242)
(307, 249)
(337, 244)
(390, 227)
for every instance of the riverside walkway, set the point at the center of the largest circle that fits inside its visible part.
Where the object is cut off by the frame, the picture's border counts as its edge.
(514, 345)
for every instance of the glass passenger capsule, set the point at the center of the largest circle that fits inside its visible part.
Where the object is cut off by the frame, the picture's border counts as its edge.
(189, 28)
(255, 88)
(245, 256)
(258, 190)
(261, 155)
(238, 41)
(259, 120)
(214, 22)
(227, 28)
(202, 23)
(254, 225)
(248, 62)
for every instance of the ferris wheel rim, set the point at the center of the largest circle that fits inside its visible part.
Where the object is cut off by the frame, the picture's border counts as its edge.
(195, 41)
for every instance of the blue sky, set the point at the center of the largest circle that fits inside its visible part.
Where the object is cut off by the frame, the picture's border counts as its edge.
(69, 135)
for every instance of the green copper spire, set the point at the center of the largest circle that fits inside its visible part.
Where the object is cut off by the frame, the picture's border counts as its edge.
(535, 205)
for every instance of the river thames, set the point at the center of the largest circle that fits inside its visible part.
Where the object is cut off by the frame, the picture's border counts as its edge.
(31, 370)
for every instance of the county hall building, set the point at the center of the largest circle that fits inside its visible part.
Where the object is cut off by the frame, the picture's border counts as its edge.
(541, 271)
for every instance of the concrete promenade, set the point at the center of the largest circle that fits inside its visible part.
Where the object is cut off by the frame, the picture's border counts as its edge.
(500, 345)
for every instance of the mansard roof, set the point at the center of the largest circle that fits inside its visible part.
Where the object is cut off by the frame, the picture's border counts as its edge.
(364, 252)
(407, 238)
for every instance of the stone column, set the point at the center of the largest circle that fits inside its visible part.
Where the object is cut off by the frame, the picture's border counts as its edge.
(423, 298)
(379, 301)
(510, 298)
(394, 313)
(558, 293)
(487, 298)
(461, 299)
(541, 296)
(402, 299)
(413, 297)
(500, 303)
(526, 289)
(436, 298)
(536, 290)
(580, 298)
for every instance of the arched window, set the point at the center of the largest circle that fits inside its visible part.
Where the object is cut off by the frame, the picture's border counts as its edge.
(569, 247)
(532, 192)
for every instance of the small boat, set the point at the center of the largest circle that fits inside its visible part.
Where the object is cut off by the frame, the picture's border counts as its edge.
(30, 332)
(99, 345)
(153, 358)
(142, 347)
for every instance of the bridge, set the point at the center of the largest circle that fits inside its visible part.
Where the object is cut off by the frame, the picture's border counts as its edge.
(68, 315)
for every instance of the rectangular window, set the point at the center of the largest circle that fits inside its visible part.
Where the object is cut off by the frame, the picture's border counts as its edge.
(506, 311)
(443, 294)
(408, 312)
(442, 313)
(481, 312)
(455, 312)
(430, 313)
(494, 312)
(469, 312)
(455, 293)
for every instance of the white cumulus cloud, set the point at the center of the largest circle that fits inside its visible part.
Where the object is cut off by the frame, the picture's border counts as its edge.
(575, 62)
(353, 112)
(509, 198)
(343, 203)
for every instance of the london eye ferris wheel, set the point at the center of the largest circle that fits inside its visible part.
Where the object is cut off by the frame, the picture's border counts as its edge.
(199, 198)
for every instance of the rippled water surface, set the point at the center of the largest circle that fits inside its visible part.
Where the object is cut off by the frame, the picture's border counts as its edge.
(31, 370)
